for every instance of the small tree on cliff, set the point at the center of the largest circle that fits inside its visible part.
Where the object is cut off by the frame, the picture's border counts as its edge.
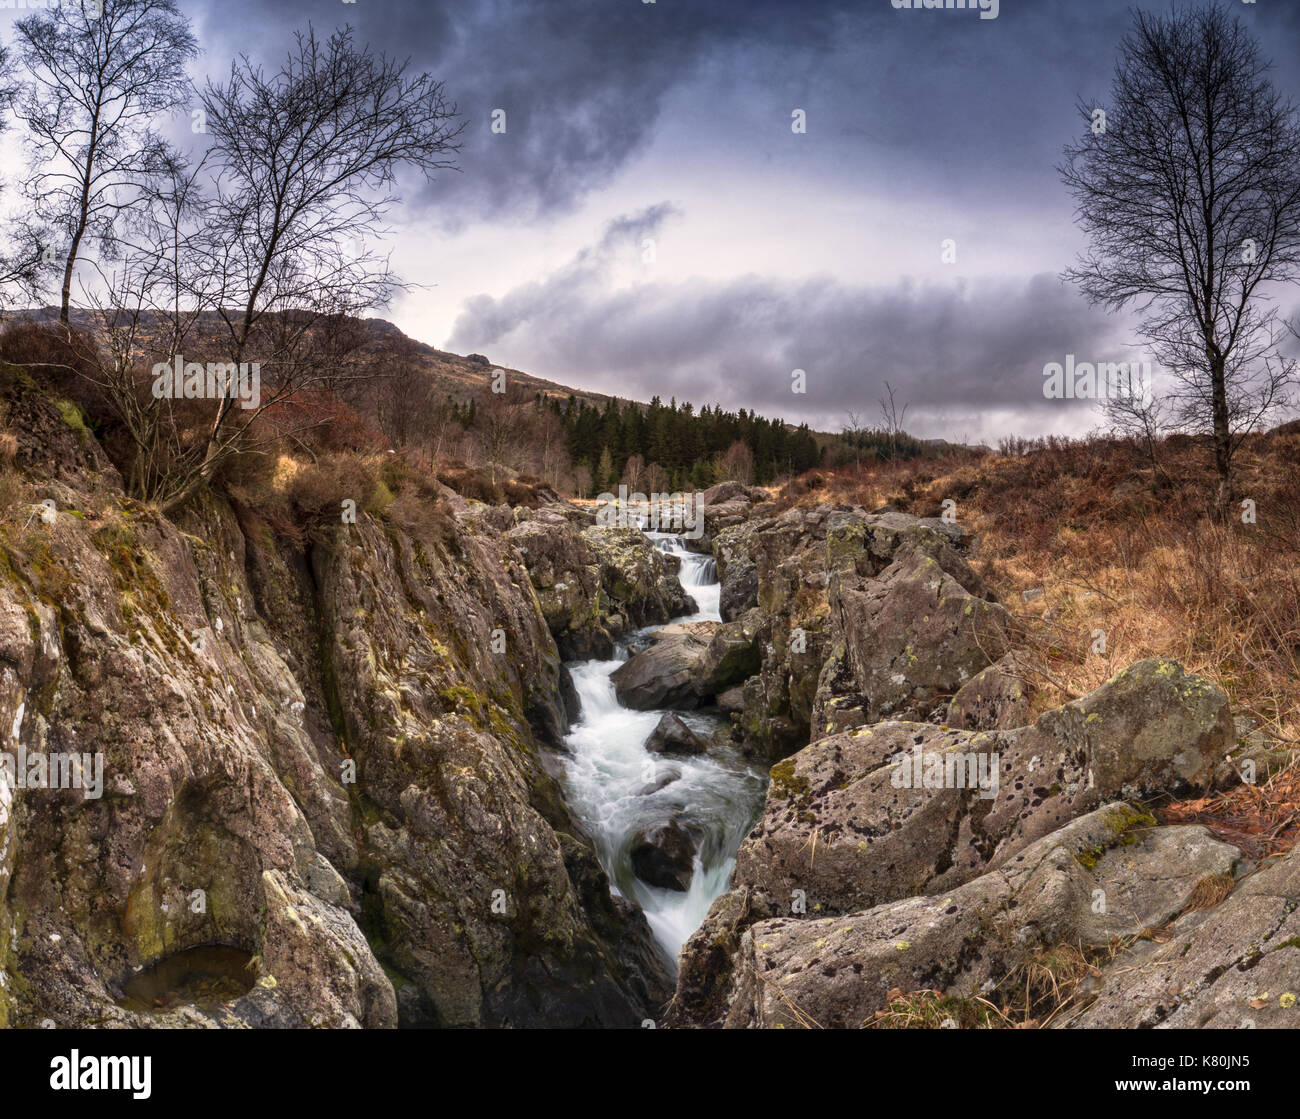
(1188, 186)
(306, 161)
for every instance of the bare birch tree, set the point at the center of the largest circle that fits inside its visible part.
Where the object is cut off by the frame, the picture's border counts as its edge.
(1188, 187)
(306, 161)
(100, 76)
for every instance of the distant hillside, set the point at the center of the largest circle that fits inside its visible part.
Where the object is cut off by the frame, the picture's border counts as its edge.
(461, 375)
(456, 375)
(601, 432)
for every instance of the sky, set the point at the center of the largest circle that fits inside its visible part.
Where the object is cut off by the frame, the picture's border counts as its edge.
(650, 223)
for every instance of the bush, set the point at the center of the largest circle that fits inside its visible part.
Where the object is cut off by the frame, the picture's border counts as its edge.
(13, 492)
(521, 492)
(428, 520)
(336, 425)
(317, 492)
(472, 483)
(63, 358)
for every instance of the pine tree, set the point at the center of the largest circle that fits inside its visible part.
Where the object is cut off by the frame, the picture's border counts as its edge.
(606, 479)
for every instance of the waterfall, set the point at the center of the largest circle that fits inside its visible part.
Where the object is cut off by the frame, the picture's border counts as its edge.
(617, 787)
(698, 575)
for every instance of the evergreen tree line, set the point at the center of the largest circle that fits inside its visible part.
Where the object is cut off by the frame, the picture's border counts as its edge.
(672, 446)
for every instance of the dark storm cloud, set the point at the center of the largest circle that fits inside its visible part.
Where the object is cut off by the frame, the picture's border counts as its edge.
(952, 350)
(582, 84)
(930, 99)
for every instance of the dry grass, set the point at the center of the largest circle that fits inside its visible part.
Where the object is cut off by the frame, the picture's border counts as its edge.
(1211, 891)
(1115, 552)
(1263, 820)
(1133, 564)
(933, 1010)
(1043, 986)
(1032, 995)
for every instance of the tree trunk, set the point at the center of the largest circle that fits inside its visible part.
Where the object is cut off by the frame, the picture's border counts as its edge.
(68, 266)
(1222, 433)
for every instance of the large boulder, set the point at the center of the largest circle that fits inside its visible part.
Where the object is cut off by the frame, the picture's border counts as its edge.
(733, 552)
(664, 856)
(666, 673)
(672, 736)
(726, 492)
(725, 505)
(996, 698)
(595, 584)
(899, 808)
(819, 578)
(892, 810)
(976, 939)
(733, 655)
(773, 576)
(914, 634)
(731, 701)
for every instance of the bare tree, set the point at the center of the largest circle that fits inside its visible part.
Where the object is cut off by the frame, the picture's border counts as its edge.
(22, 251)
(306, 163)
(737, 465)
(633, 472)
(1141, 417)
(892, 419)
(549, 440)
(656, 478)
(99, 78)
(402, 395)
(1189, 189)
(146, 300)
(501, 423)
(852, 431)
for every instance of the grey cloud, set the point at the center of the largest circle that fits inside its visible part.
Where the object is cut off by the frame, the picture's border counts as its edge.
(940, 100)
(952, 350)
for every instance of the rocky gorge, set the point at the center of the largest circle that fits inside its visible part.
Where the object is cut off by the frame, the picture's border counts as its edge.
(530, 771)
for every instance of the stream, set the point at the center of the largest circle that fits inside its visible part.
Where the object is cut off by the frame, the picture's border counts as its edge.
(617, 788)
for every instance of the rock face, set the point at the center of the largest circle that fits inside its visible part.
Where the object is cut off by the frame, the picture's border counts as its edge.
(725, 505)
(856, 617)
(907, 808)
(312, 756)
(733, 655)
(595, 584)
(882, 813)
(1235, 966)
(914, 633)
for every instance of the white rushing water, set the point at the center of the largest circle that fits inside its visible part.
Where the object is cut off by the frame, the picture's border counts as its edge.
(617, 787)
